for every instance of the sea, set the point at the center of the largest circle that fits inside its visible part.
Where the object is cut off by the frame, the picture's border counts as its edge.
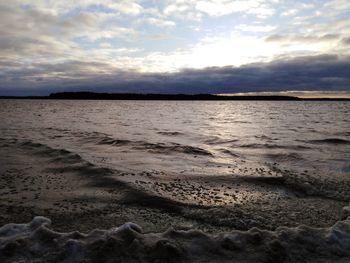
(190, 137)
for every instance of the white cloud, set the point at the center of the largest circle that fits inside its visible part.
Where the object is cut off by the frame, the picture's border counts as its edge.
(255, 28)
(129, 7)
(194, 10)
(183, 10)
(290, 12)
(126, 7)
(338, 4)
(158, 22)
(238, 49)
(173, 8)
(223, 7)
(34, 35)
(234, 50)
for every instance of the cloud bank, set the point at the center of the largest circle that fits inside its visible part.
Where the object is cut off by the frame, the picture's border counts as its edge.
(315, 73)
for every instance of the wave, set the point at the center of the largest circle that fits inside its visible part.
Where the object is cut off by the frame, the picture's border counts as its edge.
(231, 153)
(170, 133)
(343, 134)
(263, 137)
(330, 141)
(218, 141)
(301, 185)
(63, 161)
(35, 241)
(284, 157)
(274, 146)
(115, 142)
(67, 160)
(312, 186)
(173, 147)
(346, 169)
(165, 148)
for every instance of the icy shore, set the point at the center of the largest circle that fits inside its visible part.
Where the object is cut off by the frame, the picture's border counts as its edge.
(36, 242)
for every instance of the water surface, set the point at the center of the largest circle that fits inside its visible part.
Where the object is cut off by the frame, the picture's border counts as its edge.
(190, 137)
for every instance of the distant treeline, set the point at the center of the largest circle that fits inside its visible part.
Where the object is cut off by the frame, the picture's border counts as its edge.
(134, 96)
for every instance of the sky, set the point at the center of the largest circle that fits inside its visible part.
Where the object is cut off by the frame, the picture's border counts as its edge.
(174, 46)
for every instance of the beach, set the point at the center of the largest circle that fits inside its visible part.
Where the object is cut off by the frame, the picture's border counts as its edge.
(202, 200)
(77, 196)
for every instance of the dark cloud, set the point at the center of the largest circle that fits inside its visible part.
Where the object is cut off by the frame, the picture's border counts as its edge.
(346, 41)
(326, 72)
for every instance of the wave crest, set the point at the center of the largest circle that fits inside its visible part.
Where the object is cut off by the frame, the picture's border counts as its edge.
(166, 148)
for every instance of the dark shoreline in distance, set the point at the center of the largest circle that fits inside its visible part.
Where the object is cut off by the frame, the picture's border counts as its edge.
(136, 96)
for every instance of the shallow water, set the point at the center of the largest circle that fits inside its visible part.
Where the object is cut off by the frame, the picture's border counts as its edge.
(213, 166)
(190, 137)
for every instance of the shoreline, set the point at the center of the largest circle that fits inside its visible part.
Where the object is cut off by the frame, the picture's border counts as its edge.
(80, 198)
(38, 180)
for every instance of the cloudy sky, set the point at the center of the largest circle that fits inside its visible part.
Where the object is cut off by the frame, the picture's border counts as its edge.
(173, 46)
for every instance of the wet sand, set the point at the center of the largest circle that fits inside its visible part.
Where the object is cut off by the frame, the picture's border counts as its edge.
(37, 180)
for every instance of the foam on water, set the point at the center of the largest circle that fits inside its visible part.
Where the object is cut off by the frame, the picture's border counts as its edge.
(35, 241)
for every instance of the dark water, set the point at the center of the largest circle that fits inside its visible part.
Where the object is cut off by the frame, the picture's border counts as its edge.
(192, 137)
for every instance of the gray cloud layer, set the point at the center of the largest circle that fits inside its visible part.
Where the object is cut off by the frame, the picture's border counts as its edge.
(325, 72)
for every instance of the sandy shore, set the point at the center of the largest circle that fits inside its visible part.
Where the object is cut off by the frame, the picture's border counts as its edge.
(76, 195)
(37, 180)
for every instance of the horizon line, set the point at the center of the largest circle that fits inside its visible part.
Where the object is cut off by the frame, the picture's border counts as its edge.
(289, 95)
